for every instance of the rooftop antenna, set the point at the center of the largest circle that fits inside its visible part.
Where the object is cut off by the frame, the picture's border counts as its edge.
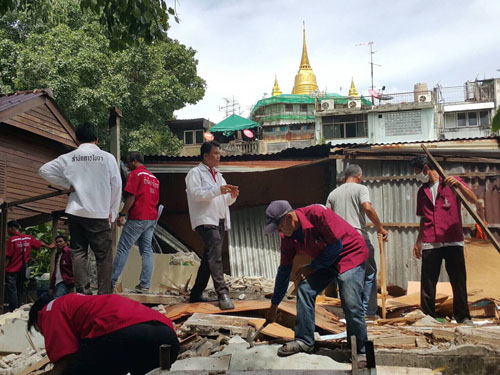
(372, 52)
(231, 106)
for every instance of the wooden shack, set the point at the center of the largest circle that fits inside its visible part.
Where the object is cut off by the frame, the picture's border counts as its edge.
(33, 131)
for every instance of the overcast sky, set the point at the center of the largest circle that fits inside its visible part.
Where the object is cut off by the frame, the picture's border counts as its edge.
(242, 44)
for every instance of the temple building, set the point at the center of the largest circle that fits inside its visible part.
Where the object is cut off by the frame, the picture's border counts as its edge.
(290, 120)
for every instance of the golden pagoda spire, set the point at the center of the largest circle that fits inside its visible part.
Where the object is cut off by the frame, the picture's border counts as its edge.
(353, 91)
(276, 88)
(305, 80)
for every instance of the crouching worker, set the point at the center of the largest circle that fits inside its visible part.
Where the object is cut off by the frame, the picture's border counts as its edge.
(338, 251)
(103, 334)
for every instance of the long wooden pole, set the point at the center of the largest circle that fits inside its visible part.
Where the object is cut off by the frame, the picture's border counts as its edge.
(383, 280)
(465, 202)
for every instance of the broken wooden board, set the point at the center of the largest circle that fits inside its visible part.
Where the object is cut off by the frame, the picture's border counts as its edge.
(411, 300)
(153, 299)
(35, 366)
(175, 312)
(324, 319)
(276, 330)
(482, 263)
(214, 324)
(443, 288)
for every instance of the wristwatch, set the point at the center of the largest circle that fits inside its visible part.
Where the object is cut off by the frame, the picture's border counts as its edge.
(121, 214)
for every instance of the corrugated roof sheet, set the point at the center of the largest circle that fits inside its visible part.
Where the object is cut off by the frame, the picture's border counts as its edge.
(312, 152)
(11, 100)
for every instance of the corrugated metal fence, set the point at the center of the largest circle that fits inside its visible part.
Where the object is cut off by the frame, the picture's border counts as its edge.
(251, 252)
(393, 196)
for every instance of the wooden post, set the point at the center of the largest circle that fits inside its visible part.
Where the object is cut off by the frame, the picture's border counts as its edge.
(383, 281)
(465, 202)
(55, 224)
(114, 129)
(3, 243)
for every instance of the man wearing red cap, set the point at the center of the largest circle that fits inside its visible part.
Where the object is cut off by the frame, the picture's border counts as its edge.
(338, 251)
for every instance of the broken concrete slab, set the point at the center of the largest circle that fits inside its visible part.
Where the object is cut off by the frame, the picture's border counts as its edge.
(208, 364)
(212, 324)
(265, 357)
(14, 339)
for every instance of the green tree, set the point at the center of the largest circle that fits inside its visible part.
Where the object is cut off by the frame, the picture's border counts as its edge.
(72, 56)
(126, 22)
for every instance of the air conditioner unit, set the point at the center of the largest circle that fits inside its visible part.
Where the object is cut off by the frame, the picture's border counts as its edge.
(352, 104)
(327, 105)
(424, 98)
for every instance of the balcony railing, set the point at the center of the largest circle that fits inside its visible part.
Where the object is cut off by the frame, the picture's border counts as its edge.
(240, 148)
(471, 92)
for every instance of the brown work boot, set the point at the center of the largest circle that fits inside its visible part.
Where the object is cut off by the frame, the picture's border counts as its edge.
(225, 302)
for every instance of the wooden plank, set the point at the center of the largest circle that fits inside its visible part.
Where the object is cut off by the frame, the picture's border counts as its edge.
(39, 132)
(43, 113)
(383, 281)
(183, 309)
(36, 366)
(66, 124)
(36, 120)
(465, 202)
(153, 299)
(324, 319)
(278, 331)
(20, 108)
(39, 127)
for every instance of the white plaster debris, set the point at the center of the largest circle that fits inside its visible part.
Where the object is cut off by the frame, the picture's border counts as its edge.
(15, 363)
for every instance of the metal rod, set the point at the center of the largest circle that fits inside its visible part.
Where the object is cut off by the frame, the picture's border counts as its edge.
(465, 202)
(165, 357)
(37, 198)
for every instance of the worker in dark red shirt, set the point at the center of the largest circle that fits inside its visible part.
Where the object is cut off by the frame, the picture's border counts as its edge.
(338, 252)
(103, 334)
(61, 280)
(141, 198)
(17, 254)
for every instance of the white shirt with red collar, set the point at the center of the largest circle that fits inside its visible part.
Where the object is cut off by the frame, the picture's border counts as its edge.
(206, 203)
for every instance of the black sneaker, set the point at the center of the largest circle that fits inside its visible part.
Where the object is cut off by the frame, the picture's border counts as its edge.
(141, 290)
(197, 298)
(225, 302)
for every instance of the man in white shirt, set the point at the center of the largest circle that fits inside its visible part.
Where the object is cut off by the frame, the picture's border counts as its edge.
(209, 198)
(94, 177)
(351, 201)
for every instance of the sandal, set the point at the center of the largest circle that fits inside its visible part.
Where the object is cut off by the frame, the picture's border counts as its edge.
(294, 347)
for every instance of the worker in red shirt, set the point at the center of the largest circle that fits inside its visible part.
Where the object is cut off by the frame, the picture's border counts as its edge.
(338, 252)
(61, 280)
(440, 237)
(103, 334)
(140, 208)
(17, 254)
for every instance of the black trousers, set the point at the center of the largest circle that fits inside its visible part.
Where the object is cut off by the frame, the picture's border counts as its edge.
(14, 288)
(96, 233)
(455, 267)
(211, 263)
(133, 349)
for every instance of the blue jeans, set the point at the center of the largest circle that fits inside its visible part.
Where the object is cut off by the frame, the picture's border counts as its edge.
(61, 289)
(140, 231)
(370, 288)
(350, 287)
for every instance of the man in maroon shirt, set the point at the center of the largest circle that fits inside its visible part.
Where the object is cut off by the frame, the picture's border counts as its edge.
(17, 254)
(142, 195)
(440, 237)
(61, 280)
(103, 334)
(338, 252)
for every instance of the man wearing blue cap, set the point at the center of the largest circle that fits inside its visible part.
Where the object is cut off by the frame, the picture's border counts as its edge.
(338, 252)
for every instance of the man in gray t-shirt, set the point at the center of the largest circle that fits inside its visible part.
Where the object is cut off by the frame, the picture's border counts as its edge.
(351, 201)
